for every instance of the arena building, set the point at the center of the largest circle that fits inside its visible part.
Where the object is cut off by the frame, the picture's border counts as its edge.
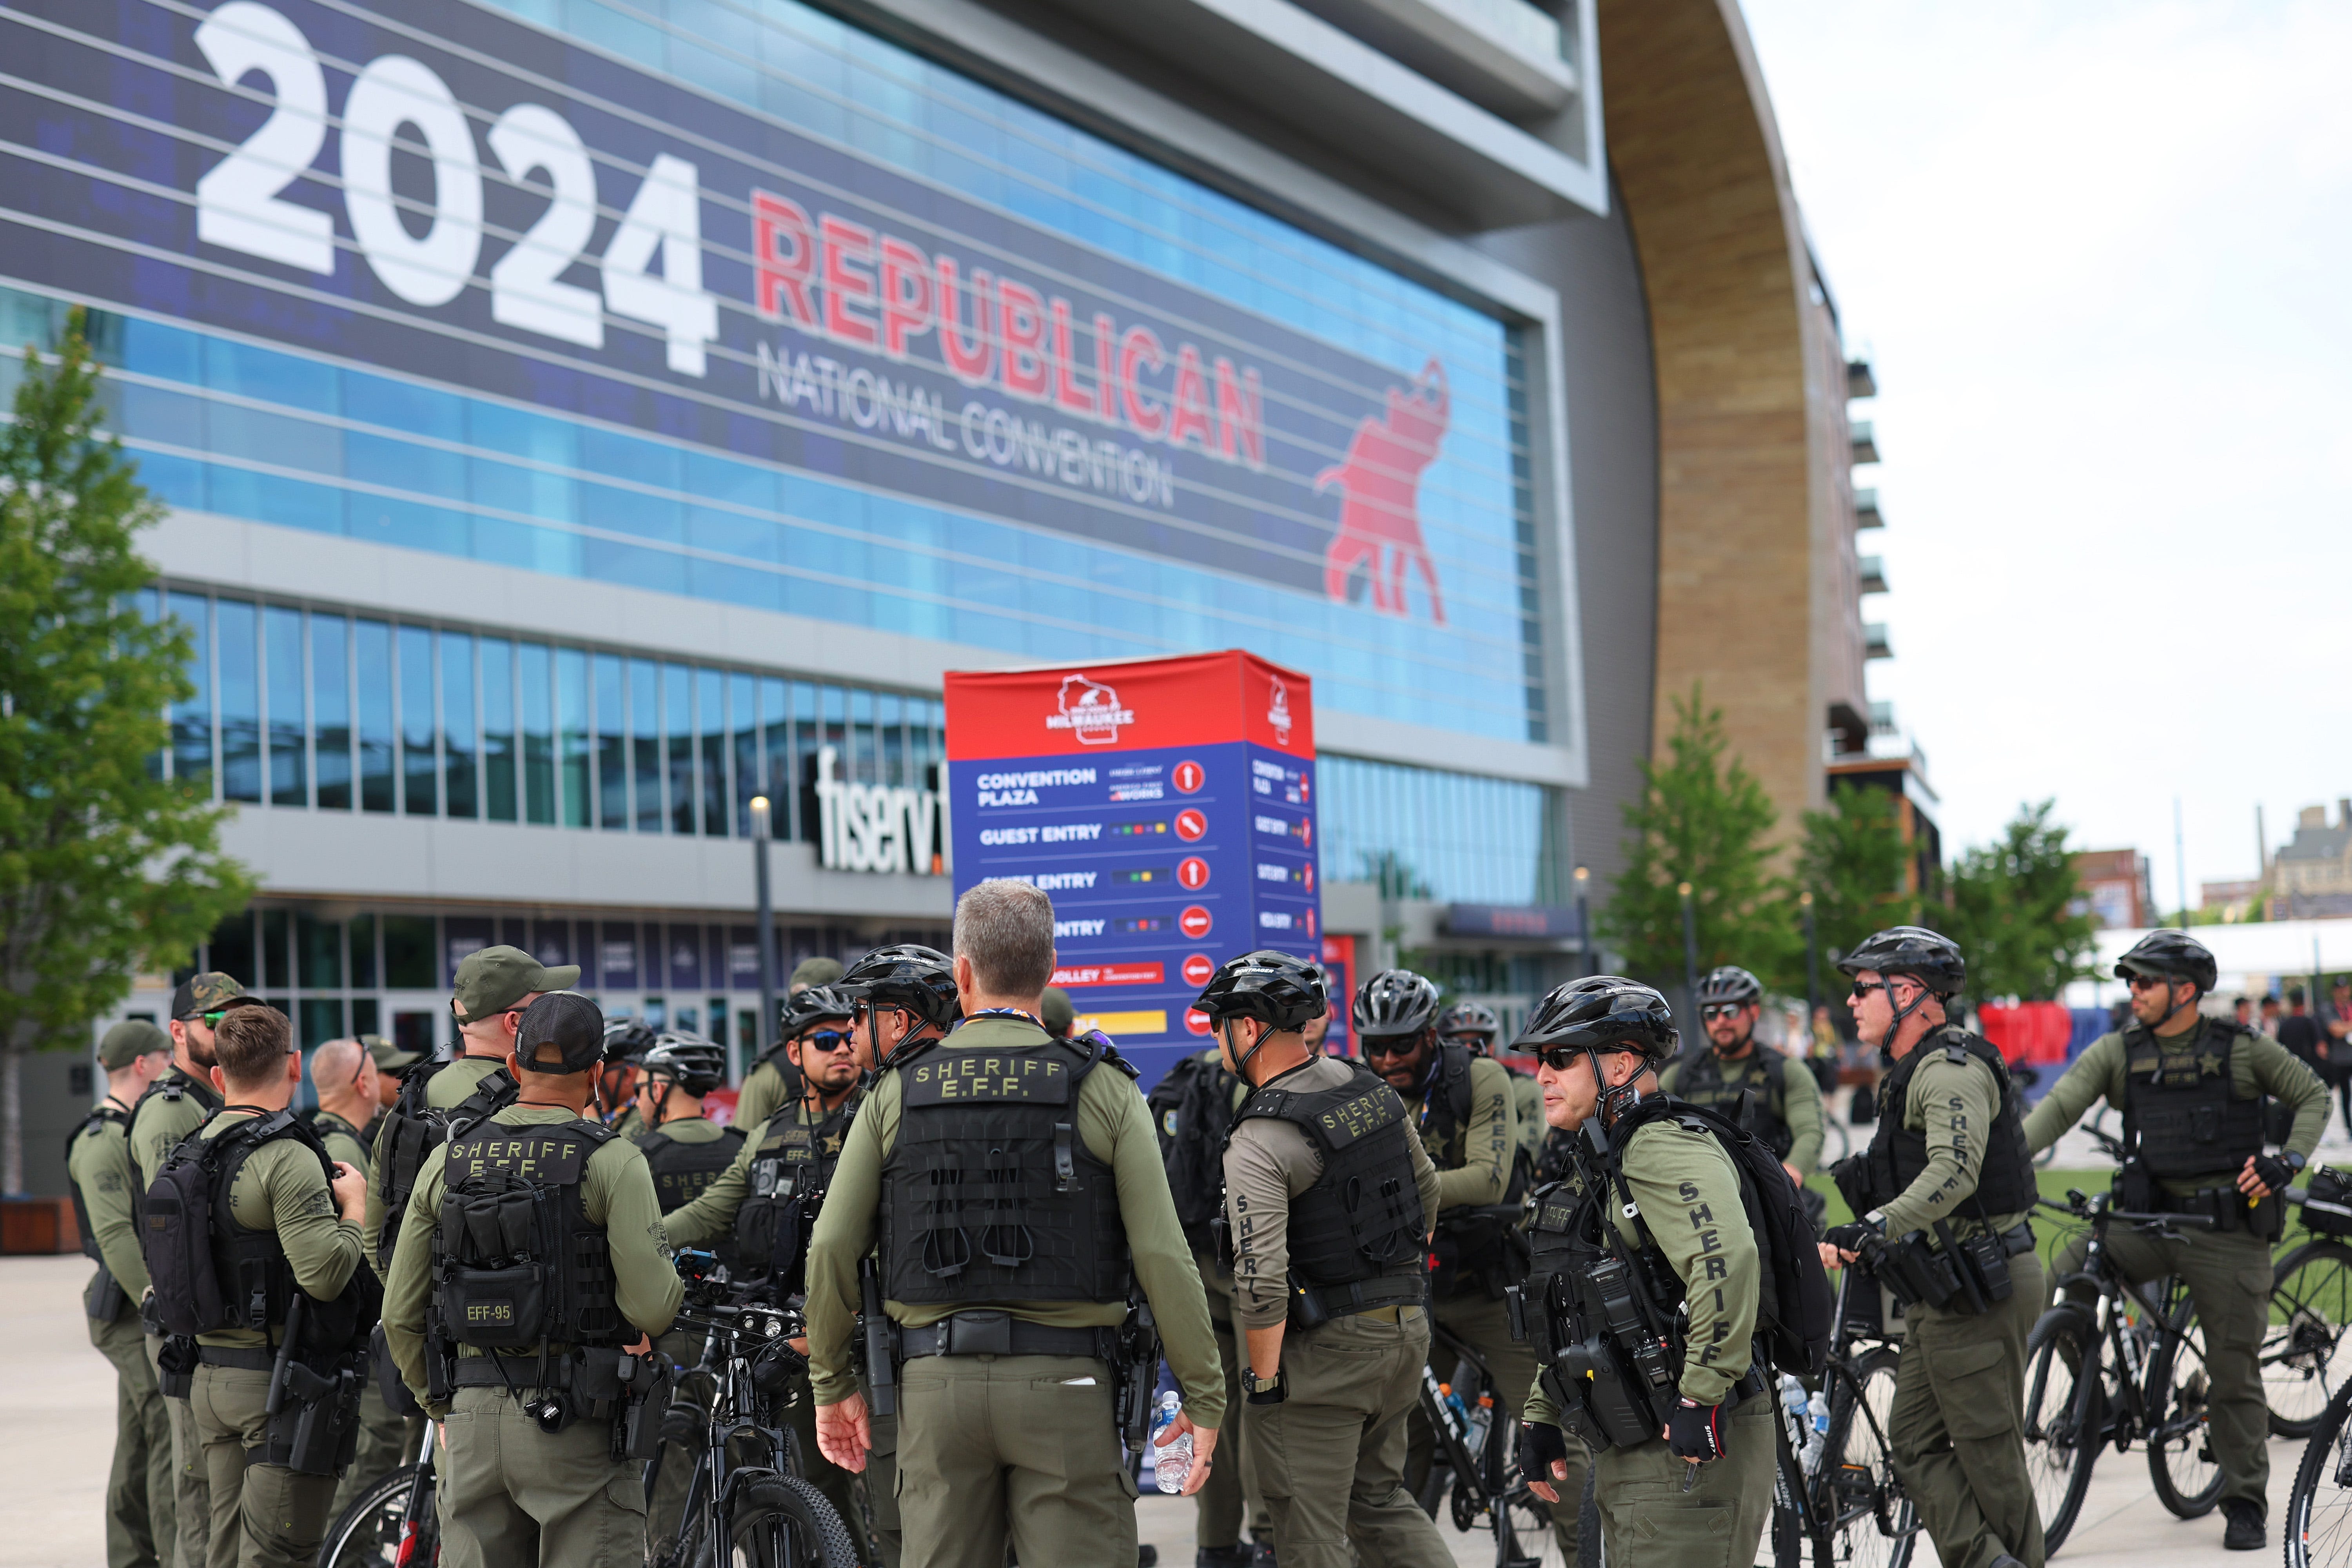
(577, 418)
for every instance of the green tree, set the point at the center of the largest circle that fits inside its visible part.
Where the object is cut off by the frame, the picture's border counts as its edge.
(103, 865)
(2016, 908)
(1853, 861)
(1701, 818)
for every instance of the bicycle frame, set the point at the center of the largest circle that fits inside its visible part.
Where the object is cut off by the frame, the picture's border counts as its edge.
(737, 1408)
(2127, 1417)
(1478, 1481)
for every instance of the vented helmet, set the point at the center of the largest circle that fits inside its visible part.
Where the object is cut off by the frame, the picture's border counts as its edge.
(2173, 954)
(907, 974)
(814, 1006)
(1602, 1012)
(1393, 1003)
(1469, 1018)
(1283, 991)
(627, 1039)
(695, 1065)
(1927, 956)
(1731, 984)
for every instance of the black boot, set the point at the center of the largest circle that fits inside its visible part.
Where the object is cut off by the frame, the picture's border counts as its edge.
(2245, 1531)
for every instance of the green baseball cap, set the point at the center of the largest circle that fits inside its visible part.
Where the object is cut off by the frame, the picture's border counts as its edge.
(1056, 1013)
(388, 1056)
(815, 972)
(128, 1041)
(493, 979)
(211, 992)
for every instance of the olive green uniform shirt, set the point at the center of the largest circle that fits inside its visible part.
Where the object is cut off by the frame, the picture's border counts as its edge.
(1268, 1162)
(1115, 1127)
(1473, 1167)
(1798, 1105)
(712, 1214)
(99, 1164)
(160, 1124)
(445, 1089)
(764, 1093)
(616, 1191)
(2258, 1065)
(1954, 1104)
(280, 1187)
(1686, 1190)
(1526, 1113)
(343, 1142)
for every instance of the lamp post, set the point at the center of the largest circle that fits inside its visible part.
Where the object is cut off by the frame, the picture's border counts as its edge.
(1584, 960)
(1690, 948)
(1812, 964)
(767, 926)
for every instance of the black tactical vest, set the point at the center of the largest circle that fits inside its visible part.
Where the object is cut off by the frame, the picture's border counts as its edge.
(790, 1172)
(681, 1171)
(2182, 1109)
(95, 1123)
(1897, 1156)
(1699, 1080)
(414, 1128)
(1355, 1235)
(990, 1194)
(173, 1086)
(1612, 1307)
(516, 1261)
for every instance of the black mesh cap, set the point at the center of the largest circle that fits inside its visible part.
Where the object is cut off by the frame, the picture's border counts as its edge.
(571, 1024)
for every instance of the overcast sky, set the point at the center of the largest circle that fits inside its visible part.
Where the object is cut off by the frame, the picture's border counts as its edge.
(2098, 252)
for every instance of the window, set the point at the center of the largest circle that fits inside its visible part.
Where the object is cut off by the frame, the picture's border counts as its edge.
(288, 722)
(499, 729)
(457, 733)
(376, 736)
(191, 721)
(240, 700)
(330, 709)
(419, 763)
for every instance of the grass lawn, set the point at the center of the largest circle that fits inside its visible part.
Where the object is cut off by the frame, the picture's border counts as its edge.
(2050, 1230)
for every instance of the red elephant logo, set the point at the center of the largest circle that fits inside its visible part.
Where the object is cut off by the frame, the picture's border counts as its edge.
(1379, 483)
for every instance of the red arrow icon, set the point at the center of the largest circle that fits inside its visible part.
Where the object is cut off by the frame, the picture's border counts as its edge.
(1194, 921)
(1191, 824)
(1193, 873)
(1189, 776)
(1198, 969)
(1196, 1021)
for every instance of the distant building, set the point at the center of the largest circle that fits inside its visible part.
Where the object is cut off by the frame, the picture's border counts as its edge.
(1905, 778)
(2238, 900)
(2311, 877)
(2114, 887)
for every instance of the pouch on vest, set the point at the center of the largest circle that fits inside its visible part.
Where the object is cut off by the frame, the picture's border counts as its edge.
(179, 1246)
(396, 1396)
(175, 1366)
(102, 1300)
(315, 1430)
(499, 1303)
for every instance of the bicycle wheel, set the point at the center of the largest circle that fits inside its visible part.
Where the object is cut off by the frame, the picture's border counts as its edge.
(1870, 1521)
(2319, 1505)
(1836, 1143)
(2311, 1307)
(1592, 1549)
(367, 1533)
(781, 1522)
(2181, 1459)
(2064, 1416)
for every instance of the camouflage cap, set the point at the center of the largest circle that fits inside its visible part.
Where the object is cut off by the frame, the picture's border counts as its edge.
(128, 1041)
(492, 979)
(1057, 1013)
(815, 972)
(388, 1056)
(209, 992)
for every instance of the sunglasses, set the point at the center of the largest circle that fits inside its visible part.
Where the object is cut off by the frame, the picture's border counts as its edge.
(1403, 1048)
(1863, 988)
(828, 1040)
(2149, 981)
(1560, 1059)
(1722, 1009)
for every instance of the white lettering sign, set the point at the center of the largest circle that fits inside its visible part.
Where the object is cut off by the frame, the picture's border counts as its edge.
(874, 827)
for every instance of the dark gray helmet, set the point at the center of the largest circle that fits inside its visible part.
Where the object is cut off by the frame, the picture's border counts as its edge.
(1927, 956)
(694, 1064)
(906, 975)
(1283, 991)
(1602, 1012)
(627, 1039)
(1395, 1002)
(2171, 953)
(813, 1005)
(1469, 1018)
(1731, 984)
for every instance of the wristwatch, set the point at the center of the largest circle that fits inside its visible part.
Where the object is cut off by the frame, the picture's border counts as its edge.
(1259, 1390)
(2291, 1160)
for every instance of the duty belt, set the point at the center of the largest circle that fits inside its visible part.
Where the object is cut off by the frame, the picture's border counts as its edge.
(1002, 1333)
(242, 1361)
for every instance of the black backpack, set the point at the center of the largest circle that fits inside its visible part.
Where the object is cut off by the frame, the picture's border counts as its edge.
(1192, 1111)
(1794, 1306)
(411, 1130)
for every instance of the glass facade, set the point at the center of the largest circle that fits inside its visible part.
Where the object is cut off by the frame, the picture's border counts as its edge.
(700, 742)
(1422, 833)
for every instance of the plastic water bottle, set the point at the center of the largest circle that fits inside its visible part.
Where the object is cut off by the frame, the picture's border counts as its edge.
(1481, 1421)
(1793, 1408)
(1818, 1407)
(1172, 1464)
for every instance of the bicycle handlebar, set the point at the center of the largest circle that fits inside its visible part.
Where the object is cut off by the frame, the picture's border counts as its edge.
(2092, 1209)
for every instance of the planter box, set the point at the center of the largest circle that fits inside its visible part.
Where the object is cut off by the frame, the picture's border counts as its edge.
(39, 1224)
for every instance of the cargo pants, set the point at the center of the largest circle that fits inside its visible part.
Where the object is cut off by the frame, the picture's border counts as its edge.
(1956, 1430)
(191, 1503)
(264, 1516)
(1329, 1460)
(388, 1441)
(1224, 1506)
(1647, 1517)
(2229, 1275)
(513, 1495)
(140, 1515)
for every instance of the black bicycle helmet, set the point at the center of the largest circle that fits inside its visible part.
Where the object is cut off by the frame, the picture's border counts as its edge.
(695, 1065)
(2174, 954)
(1395, 1002)
(627, 1039)
(906, 975)
(1469, 1018)
(1283, 991)
(1603, 1012)
(814, 1004)
(1927, 956)
(1731, 984)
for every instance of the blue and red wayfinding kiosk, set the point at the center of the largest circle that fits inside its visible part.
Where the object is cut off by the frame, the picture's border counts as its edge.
(1166, 805)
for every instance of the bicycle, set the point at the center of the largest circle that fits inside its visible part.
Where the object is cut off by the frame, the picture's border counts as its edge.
(1473, 1467)
(2130, 1366)
(394, 1524)
(1844, 1497)
(2319, 1507)
(746, 1503)
(2311, 1307)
